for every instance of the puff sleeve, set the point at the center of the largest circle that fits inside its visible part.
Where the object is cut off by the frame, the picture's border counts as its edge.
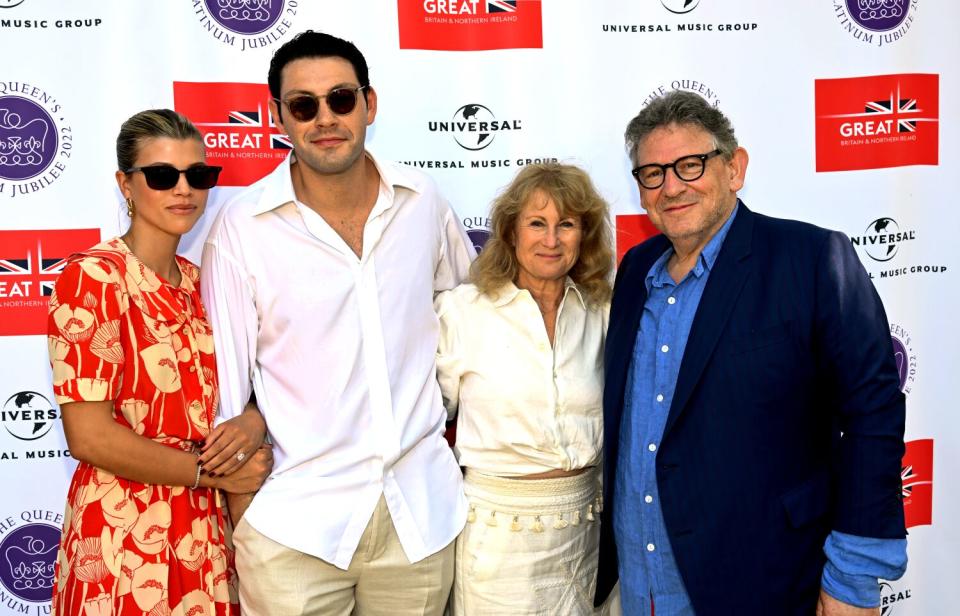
(86, 331)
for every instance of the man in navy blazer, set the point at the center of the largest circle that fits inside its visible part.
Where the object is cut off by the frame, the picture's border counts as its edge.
(753, 420)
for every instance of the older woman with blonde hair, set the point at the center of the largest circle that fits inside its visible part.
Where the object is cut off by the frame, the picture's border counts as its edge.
(521, 363)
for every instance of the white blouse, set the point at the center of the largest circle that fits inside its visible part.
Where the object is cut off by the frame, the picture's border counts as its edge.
(524, 407)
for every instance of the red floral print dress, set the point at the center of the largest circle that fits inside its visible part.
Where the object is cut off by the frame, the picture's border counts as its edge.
(119, 332)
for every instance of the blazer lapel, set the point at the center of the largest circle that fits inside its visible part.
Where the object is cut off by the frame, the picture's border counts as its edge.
(719, 297)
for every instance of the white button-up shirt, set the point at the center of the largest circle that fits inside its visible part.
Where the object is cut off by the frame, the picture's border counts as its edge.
(340, 352)
(524, 407)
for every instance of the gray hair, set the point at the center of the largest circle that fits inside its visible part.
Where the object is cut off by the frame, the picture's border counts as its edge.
(685, 109)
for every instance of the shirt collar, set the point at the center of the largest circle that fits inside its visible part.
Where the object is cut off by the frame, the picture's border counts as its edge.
(658, 275)
(278, 185)
(146, 279)
(510, 291)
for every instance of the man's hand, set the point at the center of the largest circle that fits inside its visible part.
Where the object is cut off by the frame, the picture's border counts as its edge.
(242, 434)
(828, 606)
(237, 505)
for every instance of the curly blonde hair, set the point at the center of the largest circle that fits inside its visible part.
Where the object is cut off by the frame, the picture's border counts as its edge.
(574, 194)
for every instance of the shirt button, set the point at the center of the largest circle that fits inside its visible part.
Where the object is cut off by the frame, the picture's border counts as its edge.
(664, 348)
(648, 499)
(671, 300)
(651, 547)
(652, 447)
(659, 397)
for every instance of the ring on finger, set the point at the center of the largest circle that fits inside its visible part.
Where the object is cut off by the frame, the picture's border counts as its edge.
(241, 456)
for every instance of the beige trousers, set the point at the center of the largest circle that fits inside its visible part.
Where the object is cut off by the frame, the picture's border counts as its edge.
(529, 547)
(278, 581)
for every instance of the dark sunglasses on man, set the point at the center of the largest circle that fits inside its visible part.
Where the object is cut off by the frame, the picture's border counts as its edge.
(305, 107)
(165, 177)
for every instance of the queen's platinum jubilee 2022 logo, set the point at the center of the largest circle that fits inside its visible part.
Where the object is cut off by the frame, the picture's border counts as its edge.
(35, 141)
(878, 15)
(247, 24)
(28, 138)
(245, 16)
(876, 22)
(28, 552)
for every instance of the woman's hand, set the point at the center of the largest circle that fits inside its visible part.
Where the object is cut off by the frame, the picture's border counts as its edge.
(230, 445)
(249, 477)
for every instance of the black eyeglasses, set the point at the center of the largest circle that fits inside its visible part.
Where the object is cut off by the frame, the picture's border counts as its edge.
(687, 168)
(165, 177)
(305, 107)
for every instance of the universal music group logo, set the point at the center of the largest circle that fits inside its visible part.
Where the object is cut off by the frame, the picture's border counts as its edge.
(35, 140)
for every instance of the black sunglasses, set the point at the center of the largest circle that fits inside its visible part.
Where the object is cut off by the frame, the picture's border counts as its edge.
(305, 107)
(165, 177)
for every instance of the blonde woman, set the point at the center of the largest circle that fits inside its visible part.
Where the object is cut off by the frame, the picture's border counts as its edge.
(521, 363)
(135, 376)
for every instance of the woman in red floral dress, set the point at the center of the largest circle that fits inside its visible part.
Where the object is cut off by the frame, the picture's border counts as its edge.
(135, 375)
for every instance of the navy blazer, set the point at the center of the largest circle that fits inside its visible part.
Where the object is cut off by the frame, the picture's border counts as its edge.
(787, 420)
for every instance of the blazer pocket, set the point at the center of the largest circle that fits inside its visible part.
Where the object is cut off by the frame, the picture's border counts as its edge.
(808, 501)
(760, 338)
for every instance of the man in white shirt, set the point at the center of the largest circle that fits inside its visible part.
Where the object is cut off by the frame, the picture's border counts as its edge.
(319, 281)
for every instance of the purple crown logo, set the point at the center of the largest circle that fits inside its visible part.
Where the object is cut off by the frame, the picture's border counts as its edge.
(27, 558)
(245, 16)
(28, 138)
(902, 355)
(878, 15)
(478, 237)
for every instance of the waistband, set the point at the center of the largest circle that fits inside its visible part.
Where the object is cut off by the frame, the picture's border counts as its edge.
(529, 503)
(556, 486)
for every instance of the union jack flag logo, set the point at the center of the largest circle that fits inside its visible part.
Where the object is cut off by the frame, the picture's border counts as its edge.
(909, 480)
(257, 118)
(33, 260)
(246, 118)
(501, 6)
(916, 478)
(896, 105)
(280, 142)
(35, 267)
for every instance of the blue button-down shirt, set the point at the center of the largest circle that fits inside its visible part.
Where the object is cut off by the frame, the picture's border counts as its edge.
(648, 570)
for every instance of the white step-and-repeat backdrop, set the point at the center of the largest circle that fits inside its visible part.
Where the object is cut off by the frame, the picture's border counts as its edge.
(847, 107)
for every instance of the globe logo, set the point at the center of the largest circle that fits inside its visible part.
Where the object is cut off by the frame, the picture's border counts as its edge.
(28, 415)
(473, 124)
(680, 7)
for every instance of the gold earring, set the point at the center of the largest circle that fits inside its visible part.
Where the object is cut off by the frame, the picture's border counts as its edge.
(130, 208)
